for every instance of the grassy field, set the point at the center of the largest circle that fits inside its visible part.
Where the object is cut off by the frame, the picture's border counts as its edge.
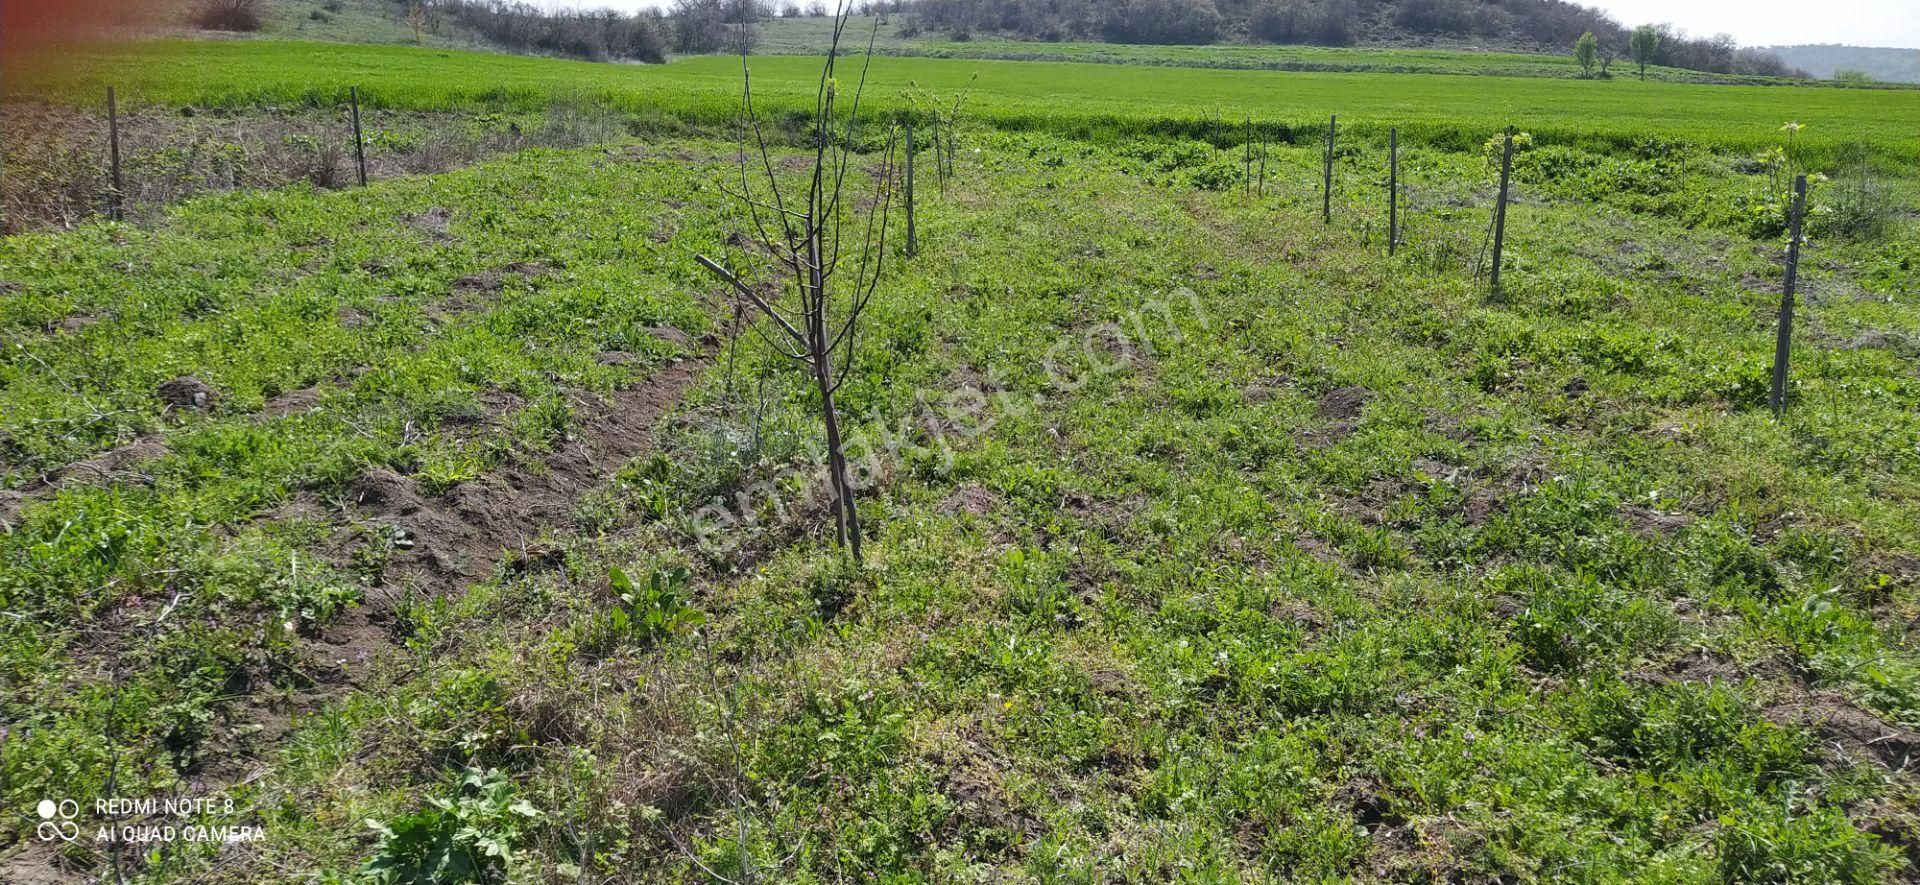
(1207, 541)
(1057, 97)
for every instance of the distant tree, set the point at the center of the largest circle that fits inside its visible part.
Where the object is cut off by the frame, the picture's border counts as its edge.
(701, 26)
(1607, 55)
(1853, 78)
(1644, 46)
(1585, 51)
(417, 21)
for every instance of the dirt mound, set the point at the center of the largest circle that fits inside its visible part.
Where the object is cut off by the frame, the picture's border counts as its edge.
(671, 335)
(186, 392)
(1341, 406)
(10, 502)
(112, 464)
(386, 491)
(433, 222)
(972, 499)
(291, 402)
(491, 281)
(1860, 734)
(1344, 403)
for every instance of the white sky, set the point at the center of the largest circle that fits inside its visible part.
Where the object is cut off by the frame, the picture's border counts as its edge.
(1779, 22)
(1752, 22)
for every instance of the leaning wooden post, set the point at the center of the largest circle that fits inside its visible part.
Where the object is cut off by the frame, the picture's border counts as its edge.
(1326, 189)
(359, 143)
(1393, 190)
(1262, 190)
(1500, 209)
(1783, 345)
(913, 241)
(116, 201)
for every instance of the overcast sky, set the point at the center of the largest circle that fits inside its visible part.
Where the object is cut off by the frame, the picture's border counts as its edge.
(1752, 22)
(1777, 22)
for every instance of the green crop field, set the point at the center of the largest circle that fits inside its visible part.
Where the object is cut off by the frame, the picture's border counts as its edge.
(463, 528)
(1050, 96)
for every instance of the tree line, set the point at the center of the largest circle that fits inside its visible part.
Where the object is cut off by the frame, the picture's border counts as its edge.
(687, 27)
(598, 35)
(1518, 24)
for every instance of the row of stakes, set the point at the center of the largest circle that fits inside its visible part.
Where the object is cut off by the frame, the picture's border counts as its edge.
(1783, 345)
(115, 199)
(1783, 341)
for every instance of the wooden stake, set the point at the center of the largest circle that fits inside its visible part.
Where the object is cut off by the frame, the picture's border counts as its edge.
(1263, 165)
(913, 241)
(1246, 175)
(1326, 191)
(1500, 209)
(116, 202)
(1393, 190)
(359, 143)
(1783, 344)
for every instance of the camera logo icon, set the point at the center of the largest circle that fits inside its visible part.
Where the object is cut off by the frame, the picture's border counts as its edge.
(56, 820)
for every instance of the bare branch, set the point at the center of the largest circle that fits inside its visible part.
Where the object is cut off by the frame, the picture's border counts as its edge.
(752, 296)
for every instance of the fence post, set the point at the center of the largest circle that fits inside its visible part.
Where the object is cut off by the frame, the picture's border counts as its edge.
(1261, 191)
(913, 241)
(1246, 175)
(359, 143)
(116, 202)
(1326, 189)
(1500, 209)
(1393, 190)
(1783, 345)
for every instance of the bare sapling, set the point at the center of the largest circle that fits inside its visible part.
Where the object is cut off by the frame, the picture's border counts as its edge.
(944, 119)
(814, 231)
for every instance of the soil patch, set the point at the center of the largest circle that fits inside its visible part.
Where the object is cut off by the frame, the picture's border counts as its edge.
(443, 542)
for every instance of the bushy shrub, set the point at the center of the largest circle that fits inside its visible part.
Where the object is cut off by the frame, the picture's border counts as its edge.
(595, 35)
(1163, 21)
(1319, 22)
(228, 15)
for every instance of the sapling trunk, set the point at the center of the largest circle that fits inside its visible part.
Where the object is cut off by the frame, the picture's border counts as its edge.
(817, 321)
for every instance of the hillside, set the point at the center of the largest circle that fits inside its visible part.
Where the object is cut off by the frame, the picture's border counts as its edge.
(504, 27)
(899, 35)
(1517, 37)
(359, 21)
(1825, 60)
